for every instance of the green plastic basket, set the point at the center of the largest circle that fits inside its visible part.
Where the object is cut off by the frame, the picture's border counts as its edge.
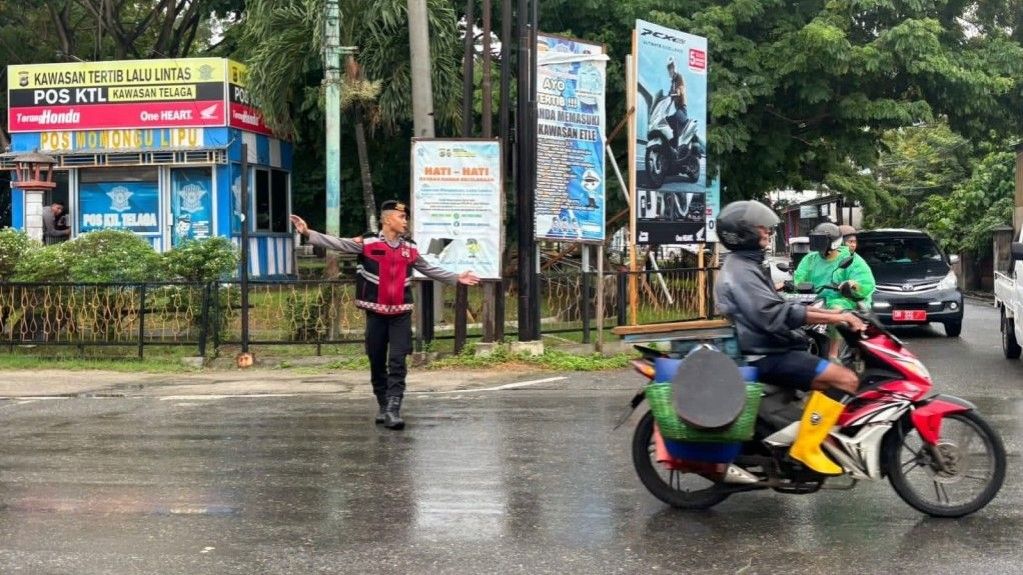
(658, 395)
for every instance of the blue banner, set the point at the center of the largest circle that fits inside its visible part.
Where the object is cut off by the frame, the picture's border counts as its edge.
(131, 206)
(670, 126)
(191, 204)
(570, 183)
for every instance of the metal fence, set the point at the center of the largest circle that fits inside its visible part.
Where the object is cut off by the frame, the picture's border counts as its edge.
(314, 312)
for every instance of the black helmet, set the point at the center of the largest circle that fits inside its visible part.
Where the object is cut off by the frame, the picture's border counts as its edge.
(825, 237)
(738, 223)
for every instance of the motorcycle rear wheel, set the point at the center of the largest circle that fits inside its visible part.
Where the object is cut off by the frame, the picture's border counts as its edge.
(676, 488)
(975, 474)
(656, 164)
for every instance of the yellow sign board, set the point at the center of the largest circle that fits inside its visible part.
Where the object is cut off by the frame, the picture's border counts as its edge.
(116, 73)
(105, 140)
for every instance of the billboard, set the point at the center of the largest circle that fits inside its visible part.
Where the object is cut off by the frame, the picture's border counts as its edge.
(241, 113)
(128, 94)
(456, 204)
(670, 127)
(571, 117)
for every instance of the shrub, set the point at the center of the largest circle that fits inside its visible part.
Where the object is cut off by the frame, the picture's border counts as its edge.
(106, 256)
(203, 260)
(42, 264)
(14, 244)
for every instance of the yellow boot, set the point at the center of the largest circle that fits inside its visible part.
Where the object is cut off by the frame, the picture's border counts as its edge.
(819, 416)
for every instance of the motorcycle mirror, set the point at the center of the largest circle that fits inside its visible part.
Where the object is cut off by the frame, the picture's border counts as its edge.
(846, 263)
(783, 266)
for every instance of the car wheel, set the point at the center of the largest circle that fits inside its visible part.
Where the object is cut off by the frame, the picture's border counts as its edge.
(1010, 347)
(953, 328)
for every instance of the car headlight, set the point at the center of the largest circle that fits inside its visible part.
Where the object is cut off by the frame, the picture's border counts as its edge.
(950, 281)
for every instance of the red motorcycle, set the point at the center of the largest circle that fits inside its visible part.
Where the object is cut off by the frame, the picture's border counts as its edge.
(937, 452)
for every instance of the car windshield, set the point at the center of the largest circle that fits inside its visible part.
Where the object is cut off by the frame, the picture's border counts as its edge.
(898, 251)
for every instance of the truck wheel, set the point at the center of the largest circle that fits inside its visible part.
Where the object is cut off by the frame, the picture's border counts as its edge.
(953, 328)
(1010, 347)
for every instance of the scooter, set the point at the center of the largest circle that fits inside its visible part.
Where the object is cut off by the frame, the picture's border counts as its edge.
(667, 155)
(941, 457)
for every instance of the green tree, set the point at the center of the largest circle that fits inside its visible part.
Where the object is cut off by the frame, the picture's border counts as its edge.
(282, 44)
(963, 220)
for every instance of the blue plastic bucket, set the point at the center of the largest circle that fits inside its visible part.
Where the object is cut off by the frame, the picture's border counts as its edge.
(706, 452)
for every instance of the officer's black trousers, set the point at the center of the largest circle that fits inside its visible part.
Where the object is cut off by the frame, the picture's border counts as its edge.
(388, 343)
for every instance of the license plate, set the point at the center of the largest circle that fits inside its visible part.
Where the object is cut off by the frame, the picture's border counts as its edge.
(909, 315)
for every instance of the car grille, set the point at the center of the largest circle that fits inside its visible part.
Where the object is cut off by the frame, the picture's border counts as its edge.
(889, 288)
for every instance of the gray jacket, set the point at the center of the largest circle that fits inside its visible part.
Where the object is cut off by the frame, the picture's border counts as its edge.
(764, 321)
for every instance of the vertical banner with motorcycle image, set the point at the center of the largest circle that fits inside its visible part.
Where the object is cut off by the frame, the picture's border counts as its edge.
(570, 88)
(670, 126)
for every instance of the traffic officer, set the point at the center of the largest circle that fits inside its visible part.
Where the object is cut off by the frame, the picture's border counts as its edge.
(383, 290)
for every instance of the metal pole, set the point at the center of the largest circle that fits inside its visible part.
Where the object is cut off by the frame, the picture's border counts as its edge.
(488, 93)
(468, 73)
(528, 300)
(142, 320)
(600, 298)
(332, 83)
(244, 273)
(422, 126)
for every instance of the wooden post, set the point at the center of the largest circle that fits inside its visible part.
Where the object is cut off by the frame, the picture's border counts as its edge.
(630, 103)
(701, 282)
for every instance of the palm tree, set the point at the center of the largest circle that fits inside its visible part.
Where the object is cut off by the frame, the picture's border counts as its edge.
(285, 38)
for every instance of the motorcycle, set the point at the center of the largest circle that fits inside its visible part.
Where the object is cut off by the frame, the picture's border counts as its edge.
(939, 455)
(667, 155)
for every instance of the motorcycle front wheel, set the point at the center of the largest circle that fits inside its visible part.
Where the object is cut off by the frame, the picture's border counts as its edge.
(656, 164)
(691, 167)
(972, 474)
(676, 488)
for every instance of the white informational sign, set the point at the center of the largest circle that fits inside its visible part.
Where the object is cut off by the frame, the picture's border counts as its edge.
(456, 204)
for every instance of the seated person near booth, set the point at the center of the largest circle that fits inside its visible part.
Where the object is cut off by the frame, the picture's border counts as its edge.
(765, 325)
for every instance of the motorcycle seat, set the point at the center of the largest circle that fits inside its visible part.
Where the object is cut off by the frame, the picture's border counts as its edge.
(708, 390)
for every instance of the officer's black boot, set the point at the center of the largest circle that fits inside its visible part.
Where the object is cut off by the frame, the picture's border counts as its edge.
(392, 417)
(382, 404)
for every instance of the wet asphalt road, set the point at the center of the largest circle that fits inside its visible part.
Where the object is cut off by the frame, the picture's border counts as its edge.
(526, 480)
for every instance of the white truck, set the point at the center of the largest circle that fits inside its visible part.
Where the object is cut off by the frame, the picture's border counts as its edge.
(1009, 300)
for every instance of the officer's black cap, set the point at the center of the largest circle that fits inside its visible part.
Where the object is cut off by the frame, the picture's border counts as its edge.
(393, 205)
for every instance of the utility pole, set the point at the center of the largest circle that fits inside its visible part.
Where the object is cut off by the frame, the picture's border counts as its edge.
(529, 302)
(422, 125)
(332, 85)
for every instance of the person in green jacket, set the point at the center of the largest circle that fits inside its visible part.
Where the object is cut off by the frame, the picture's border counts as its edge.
(821, 268)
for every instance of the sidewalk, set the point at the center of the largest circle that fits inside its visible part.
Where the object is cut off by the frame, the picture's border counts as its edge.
(60, 383)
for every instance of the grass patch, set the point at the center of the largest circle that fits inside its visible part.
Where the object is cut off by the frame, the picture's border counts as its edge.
(551, 359)
(71, 363)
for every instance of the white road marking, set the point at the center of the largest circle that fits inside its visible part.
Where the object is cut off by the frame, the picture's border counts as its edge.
(495, 388)
(223, 396)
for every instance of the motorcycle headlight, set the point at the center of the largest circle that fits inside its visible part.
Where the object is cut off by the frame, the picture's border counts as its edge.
(950, 281)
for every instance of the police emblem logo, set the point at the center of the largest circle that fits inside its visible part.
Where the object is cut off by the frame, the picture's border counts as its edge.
(191, 198)
(205, 72)
(119, 197)
(22, 79)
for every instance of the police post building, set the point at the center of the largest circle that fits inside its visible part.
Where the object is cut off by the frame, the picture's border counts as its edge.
(154, 147)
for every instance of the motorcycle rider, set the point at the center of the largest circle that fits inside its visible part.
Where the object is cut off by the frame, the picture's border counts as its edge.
(849, 237)
(765, 324)
(821, 268)
(677, 121)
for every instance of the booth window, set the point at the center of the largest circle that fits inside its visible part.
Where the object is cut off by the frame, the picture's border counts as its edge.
(271, 201)
(262, 201)
(279, 201)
